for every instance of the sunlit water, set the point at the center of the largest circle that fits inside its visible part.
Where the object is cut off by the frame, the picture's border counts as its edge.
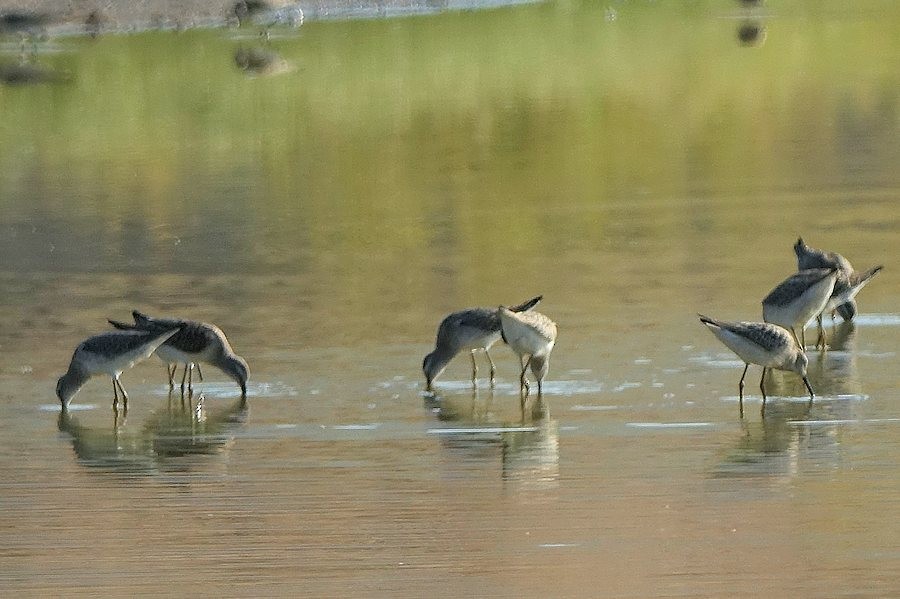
(636, 164)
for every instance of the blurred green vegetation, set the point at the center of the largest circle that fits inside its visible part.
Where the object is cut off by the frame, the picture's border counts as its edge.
(431, 138)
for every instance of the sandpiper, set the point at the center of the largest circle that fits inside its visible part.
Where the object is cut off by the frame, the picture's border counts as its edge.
(532, 336)
(195, 342)
(767, 345)
(109, 353)
(267, 13)
(848, 283)
(799, 298)
(471, 329)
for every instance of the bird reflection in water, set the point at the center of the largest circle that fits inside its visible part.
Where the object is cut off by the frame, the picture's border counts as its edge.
(183, 428)
(781, 446)
(793, 433)
(528, 451)
(26, 72)
(26, 25)
(833, 374)
(751, 34)
(260, 62)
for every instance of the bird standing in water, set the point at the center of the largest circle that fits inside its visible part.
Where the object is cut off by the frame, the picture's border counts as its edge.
(195, 342)
(109, 353)
(846, 286)
(798, 299)
(471, 329)
(769, 345)
(532, 336)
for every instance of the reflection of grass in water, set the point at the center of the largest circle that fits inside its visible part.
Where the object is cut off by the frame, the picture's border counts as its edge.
(422, 131)
(491, 78)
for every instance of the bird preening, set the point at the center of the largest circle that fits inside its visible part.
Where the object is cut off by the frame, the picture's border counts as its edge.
(529, 334)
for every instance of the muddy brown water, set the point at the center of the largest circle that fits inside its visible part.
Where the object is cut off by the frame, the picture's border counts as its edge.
(635, 165)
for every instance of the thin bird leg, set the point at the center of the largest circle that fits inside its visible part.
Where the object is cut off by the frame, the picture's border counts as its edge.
(171, 372)
(190, 367)
(741, 390)
(762, 388)
(820, 340)
(200, 374)
(796, 339)
(474, 367)
(124, 395)
(115, 394)
(523, 381)
(803, 337)
(184, 377)
(493, 369)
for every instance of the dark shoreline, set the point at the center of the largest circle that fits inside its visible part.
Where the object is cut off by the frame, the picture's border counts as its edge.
(78, 16)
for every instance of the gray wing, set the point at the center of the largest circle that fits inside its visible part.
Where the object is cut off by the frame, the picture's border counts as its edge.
(145, 322)
(116, 343)
(794, 286)
(193, 336)
(767, 336)
(484, 319)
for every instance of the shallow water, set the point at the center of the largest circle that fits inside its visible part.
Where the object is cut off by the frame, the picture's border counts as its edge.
(635, 164)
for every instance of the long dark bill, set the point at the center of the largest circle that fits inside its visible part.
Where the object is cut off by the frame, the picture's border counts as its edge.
(811, 394)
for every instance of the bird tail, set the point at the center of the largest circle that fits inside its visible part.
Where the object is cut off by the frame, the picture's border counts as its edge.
(860, 279)
(122, 326)
(141, 318)
(709, 321)
(526, 306)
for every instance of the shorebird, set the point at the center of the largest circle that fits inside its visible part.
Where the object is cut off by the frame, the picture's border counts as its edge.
(799, 298)
(848, 283)
(471, 329)
(195, 342)
(267, 13)
(109, 353)
(532, 336)
(767, 345)
(27, 25)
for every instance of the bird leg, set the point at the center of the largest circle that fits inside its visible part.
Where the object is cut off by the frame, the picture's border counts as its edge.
(115, 395)
(762, 388)
(171, 373)
(797, 339)
(184, 378)
(493, 369)
(523, 382)
(124, 395)
(820, 340)
(474, 368)
(741, 390)
(199, 373)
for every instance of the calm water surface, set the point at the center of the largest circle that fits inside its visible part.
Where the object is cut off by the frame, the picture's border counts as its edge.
(635, 163)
